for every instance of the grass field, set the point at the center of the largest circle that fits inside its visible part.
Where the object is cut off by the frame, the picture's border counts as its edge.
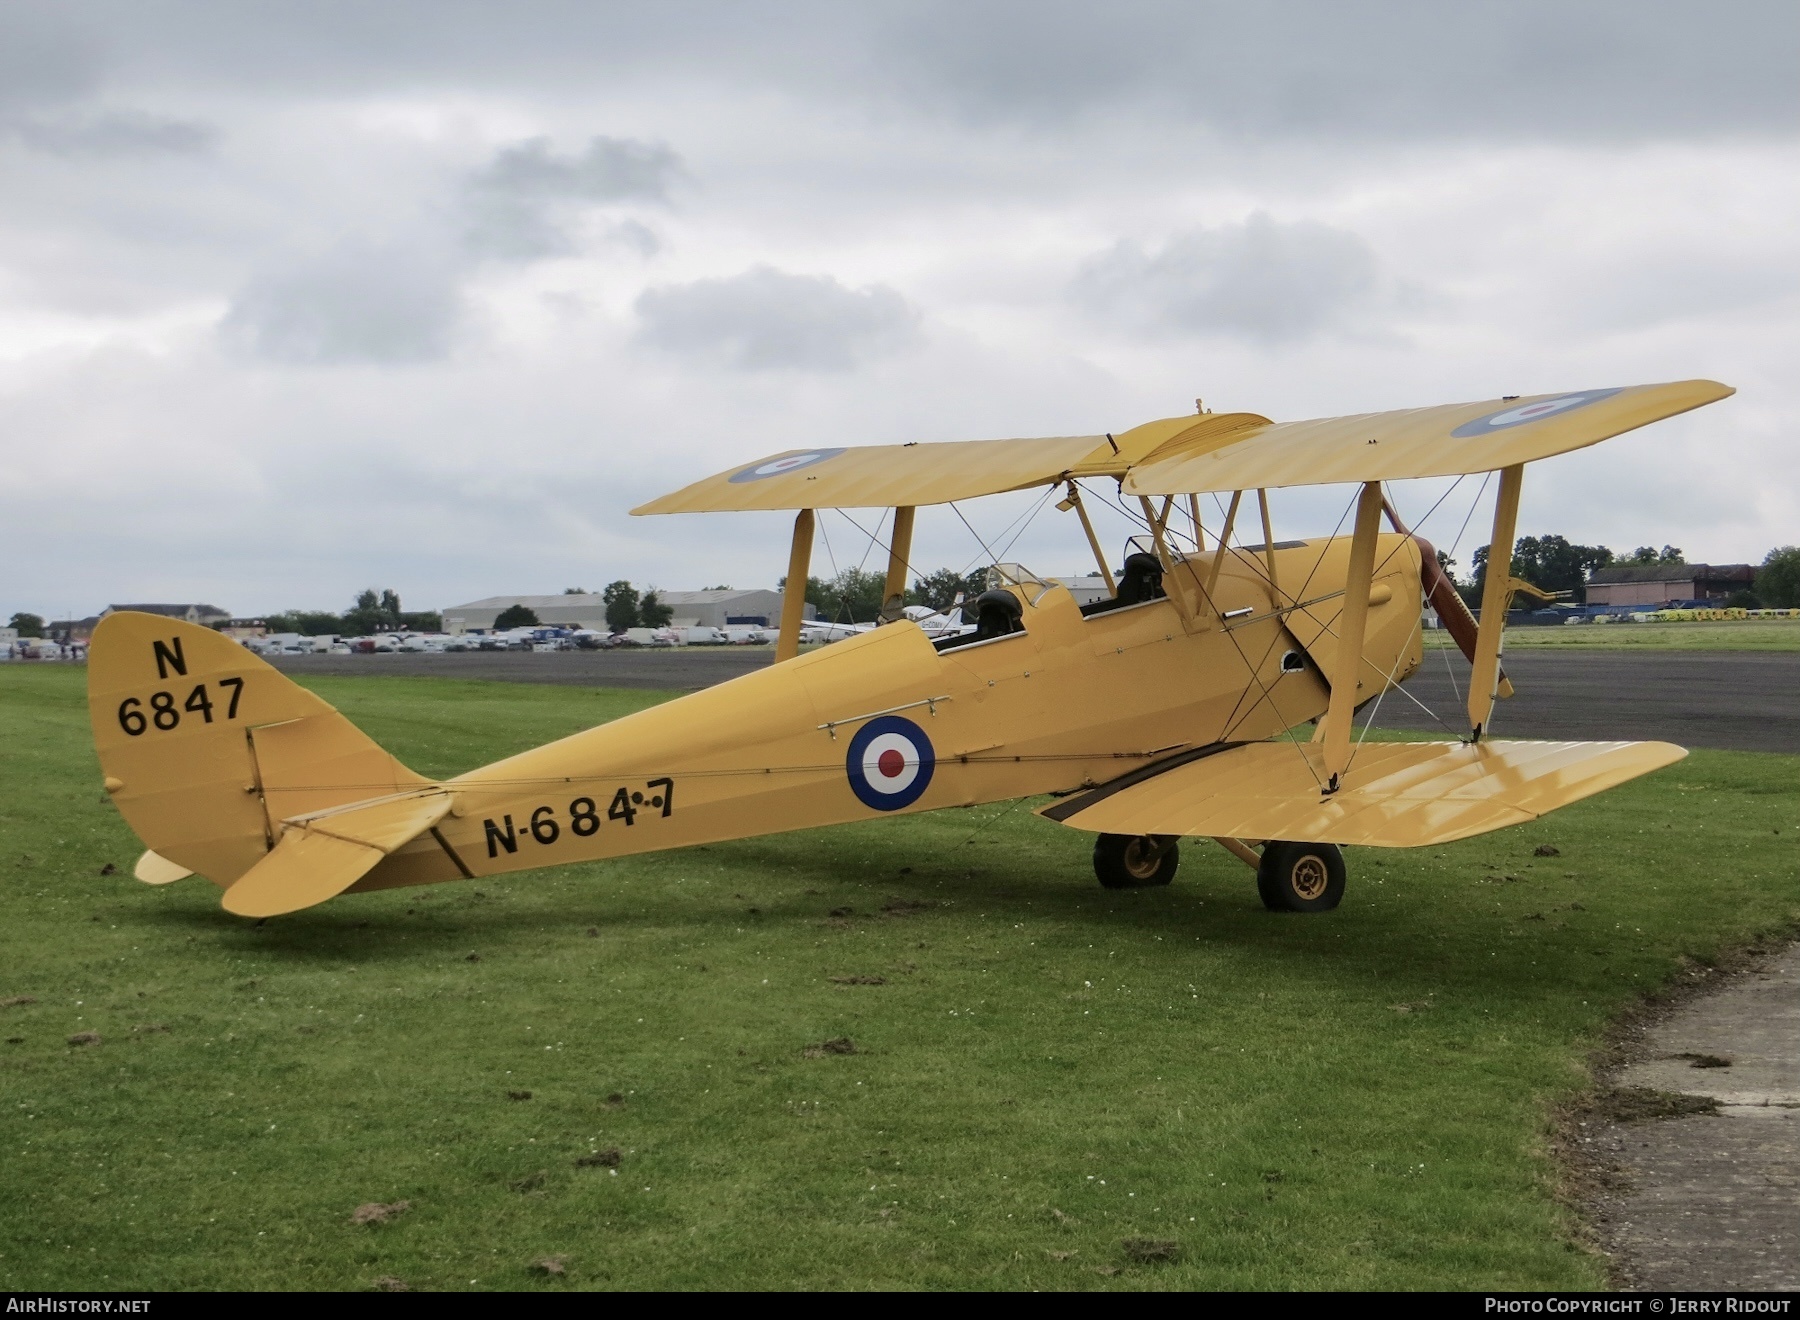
(1044, 1072)
(1725, 635)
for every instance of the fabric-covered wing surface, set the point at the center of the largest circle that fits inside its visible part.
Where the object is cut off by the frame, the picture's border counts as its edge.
(1395, 795)
(1416, 442)
(875, 476)
(882, 476)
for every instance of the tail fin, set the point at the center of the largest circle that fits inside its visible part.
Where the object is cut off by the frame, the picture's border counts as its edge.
(206, 749)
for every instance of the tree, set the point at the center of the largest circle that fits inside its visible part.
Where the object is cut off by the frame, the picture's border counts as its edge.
(939, 590)
(28, 625)
(652, 613)
(373, 612)
(853, 596)
(723, 586)
(575, 591)
(308, 623)
(621, 606)
(1650, 557)
(1551, 562)
(515, 616)
(1777, 581)
(1743, 599)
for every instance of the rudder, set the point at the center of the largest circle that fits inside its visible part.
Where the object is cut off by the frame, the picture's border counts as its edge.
(206, 748)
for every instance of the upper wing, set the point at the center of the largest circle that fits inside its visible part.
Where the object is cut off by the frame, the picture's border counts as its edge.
(883, 476)
(1212, 452)
(1394, 795)
(1416, 442)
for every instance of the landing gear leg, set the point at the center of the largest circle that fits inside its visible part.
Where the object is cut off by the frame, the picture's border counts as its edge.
(1136, 861)
(1300, 877)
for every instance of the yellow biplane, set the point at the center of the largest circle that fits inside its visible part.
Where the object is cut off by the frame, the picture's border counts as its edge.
(1173, 707)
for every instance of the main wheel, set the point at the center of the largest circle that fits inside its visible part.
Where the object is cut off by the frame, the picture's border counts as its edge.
(1136, 861)
(1300, 877)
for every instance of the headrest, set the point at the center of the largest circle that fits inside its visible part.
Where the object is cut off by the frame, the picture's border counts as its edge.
(999, 601)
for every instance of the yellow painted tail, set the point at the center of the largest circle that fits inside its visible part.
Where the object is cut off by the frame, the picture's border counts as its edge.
(206, 749)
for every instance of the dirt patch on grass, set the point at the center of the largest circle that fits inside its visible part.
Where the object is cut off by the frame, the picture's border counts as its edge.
(389, 1283)
(531, 1182)
(1150, 1251)
(609, 1158)
(518, 1095)
(551, 1265)
(857, 980)
(18, 1001)
(85, 1038)
(836, 1045)
(375, 1212)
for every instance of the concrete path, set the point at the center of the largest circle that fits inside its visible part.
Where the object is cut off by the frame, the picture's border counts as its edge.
(1712, 1202)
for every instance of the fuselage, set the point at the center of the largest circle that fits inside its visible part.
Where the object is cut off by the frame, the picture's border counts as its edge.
(885, 723)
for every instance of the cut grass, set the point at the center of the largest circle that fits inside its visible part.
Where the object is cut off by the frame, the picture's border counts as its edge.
(1724, 635)
(1049, 1076)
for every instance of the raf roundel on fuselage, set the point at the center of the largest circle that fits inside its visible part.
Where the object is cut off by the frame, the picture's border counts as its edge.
(890, 763)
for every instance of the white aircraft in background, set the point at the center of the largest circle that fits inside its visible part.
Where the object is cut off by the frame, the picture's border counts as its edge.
(931, 622)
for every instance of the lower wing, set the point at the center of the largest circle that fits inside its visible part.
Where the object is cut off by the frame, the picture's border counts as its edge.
(1394, 795)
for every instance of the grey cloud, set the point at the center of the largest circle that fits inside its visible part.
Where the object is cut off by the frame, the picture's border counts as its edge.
(44, 58)
(118, 133)
(358, 304)
(766, 318)
(1343, 69)
(1306, 69)
(1262, 279)
(519, 202)
(609, 170)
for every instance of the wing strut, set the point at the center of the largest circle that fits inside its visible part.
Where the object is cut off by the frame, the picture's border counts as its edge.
(893, 595)
(793, 599)
(1074, 502)
(1496, 593)
(1352, 624)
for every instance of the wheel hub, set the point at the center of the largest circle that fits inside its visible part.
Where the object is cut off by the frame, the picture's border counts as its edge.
(1309, 877)
(1142, 857)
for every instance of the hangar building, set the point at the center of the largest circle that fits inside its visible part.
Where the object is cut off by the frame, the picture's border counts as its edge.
(1656, 585)
(710, 609)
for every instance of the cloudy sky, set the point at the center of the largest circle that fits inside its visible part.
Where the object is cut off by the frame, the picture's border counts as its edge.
(297, 298)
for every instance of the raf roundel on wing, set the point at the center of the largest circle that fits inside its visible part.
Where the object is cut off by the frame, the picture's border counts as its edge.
(1521, 414)
(777, 467)
(889, 763)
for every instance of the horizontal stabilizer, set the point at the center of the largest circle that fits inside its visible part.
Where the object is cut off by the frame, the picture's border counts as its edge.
(153, 869)
(321, 856)
(1394, 795)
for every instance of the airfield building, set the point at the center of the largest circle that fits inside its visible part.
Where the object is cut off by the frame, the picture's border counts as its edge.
(1656, 585)
(707, 609)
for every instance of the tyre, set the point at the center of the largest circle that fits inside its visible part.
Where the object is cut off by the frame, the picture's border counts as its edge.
(1136, 861)
(1300, 877)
